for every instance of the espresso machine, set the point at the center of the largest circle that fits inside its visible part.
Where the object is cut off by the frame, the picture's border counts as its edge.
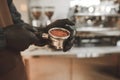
(97, 24)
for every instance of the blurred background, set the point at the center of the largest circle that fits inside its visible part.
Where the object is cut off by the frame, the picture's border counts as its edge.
(96, 18)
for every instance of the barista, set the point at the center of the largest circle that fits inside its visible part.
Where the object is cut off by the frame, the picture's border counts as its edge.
(20, 36)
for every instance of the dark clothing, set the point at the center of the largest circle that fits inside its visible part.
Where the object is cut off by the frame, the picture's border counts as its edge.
(9, 2)
(11, 64)
(14, 13)
(16, 19)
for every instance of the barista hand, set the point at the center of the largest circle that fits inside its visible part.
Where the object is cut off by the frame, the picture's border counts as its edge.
(64, 23)
(20, 36)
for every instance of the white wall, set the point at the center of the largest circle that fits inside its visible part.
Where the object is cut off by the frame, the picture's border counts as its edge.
(61, 7)
(21, 6)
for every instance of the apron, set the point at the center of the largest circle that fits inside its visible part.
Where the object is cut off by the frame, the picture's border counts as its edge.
(11, 64)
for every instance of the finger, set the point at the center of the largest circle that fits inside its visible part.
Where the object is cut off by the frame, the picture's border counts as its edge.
(67, 21)
(67, 47)
(61, 22)
(67, 44)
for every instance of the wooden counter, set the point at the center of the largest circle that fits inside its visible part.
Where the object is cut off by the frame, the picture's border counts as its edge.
(93, 63)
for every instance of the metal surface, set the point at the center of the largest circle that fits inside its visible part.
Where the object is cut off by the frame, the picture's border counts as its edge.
(57, 42)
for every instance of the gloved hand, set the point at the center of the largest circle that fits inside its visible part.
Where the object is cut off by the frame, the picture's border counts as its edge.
(64, 23)
(20, 36)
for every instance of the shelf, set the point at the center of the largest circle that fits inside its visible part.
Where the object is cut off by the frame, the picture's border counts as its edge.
(95, 14)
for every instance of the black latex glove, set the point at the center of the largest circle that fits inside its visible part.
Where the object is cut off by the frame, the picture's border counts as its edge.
(42, 41)
(20, 36)
(64, 23)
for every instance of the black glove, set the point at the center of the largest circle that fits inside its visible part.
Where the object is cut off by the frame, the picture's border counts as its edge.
(64, 23)
(42, 41)
(20, 36)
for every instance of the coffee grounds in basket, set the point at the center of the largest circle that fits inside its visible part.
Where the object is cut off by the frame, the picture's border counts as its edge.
(59, 33)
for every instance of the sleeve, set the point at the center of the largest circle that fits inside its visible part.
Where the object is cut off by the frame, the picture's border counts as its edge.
(16, 16)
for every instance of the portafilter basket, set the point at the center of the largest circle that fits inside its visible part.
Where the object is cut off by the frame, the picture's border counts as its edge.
(57, 41)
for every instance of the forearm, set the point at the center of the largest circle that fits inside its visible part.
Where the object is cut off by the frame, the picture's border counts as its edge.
(16, 16)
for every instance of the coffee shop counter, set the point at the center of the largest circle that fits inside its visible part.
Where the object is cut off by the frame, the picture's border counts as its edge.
(83, 63)
(78, 52)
